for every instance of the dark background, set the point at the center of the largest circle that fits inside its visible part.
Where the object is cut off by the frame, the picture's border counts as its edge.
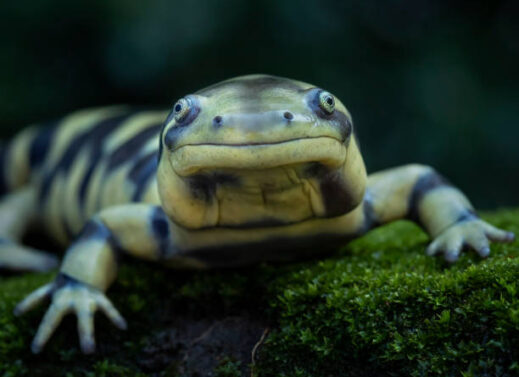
(426, 81)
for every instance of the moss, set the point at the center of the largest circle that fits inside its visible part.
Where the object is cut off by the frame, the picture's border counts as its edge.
(384, 308)
(378, 307)
(107, 368)
(228, 367)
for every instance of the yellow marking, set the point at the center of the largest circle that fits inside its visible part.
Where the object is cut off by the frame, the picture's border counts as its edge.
(53, 208)
(348, 224)
(441, 207)
(151, 194)
(17, 166)
(71, 208)
(354, 173)
(130, 225)
(237, 205)
(150, 146)
(91, 262)
(17, 211)
(116, 189)
(74, 124)
(189, 159)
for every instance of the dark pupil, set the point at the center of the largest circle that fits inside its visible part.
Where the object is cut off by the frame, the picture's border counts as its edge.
(178, 107)
(329, 101)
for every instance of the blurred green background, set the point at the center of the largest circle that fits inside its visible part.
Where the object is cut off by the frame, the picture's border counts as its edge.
(426, 81)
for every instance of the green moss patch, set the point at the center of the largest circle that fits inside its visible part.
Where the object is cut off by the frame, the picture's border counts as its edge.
(379, 307)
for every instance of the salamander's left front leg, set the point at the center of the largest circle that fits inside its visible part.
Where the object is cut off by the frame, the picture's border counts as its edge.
(90, 266)
(420, 194)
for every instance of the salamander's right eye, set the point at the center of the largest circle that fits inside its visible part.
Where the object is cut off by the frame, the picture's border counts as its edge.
(181, 109)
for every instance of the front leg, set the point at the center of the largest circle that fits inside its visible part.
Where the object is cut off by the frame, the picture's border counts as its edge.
(90, 266)
(418, 193)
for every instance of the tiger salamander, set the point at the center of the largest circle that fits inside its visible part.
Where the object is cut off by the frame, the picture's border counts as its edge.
(255, 168)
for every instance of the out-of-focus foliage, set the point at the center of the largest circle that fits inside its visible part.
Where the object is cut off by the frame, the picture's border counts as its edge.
(429, 81)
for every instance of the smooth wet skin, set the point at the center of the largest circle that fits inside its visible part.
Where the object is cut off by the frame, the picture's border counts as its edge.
(256, 168)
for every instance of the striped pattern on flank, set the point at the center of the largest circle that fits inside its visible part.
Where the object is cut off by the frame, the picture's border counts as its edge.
(22, 158)
(108, 161)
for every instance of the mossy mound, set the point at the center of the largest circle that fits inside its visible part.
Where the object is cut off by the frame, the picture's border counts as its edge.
(379, 307)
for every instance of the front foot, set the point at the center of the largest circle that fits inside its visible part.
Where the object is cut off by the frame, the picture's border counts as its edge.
(473, 233)
(69, 295)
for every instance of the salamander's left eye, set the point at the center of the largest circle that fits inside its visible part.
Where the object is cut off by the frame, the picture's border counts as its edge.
(181, 109)
(326, 102)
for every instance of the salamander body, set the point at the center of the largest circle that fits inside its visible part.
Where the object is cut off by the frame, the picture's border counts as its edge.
(256, 168)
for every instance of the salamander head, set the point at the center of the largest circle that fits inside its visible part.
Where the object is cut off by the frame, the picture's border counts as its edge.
(258, 151)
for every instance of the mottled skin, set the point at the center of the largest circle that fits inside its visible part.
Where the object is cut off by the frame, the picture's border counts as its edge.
(251, 169)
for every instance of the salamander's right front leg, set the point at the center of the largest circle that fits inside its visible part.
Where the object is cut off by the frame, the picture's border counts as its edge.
(90, 266)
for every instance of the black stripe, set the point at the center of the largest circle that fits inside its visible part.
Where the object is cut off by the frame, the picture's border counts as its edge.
(95, 229)
(161, 137)
(425, 184)
(202, 187)
(94, 160)
(3, 169)
(337, 198)
(160, 230)
(63, 279)
(370, 217)
(172, 135)
(131, 148)
(68, 231)
(92, 138)
(125, 152)
(276, 249)
(40, 146)
(466, 215)
(140, 174)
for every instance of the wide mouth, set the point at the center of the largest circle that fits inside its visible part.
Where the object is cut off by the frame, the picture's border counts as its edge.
(192, 158)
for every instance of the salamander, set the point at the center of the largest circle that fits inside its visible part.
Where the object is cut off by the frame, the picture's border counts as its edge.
(255, 168)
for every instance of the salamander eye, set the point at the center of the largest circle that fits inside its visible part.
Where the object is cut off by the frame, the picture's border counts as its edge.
(326, 102)
(181, 109)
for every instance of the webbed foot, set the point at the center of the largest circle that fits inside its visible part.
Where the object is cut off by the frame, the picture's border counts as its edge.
(474, 234)
(69, 295)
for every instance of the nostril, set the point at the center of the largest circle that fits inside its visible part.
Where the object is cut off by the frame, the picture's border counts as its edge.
(288, 115)
(217, 121)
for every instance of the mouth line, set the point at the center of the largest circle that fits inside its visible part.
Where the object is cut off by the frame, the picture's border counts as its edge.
(190, 158)
(256, 144)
